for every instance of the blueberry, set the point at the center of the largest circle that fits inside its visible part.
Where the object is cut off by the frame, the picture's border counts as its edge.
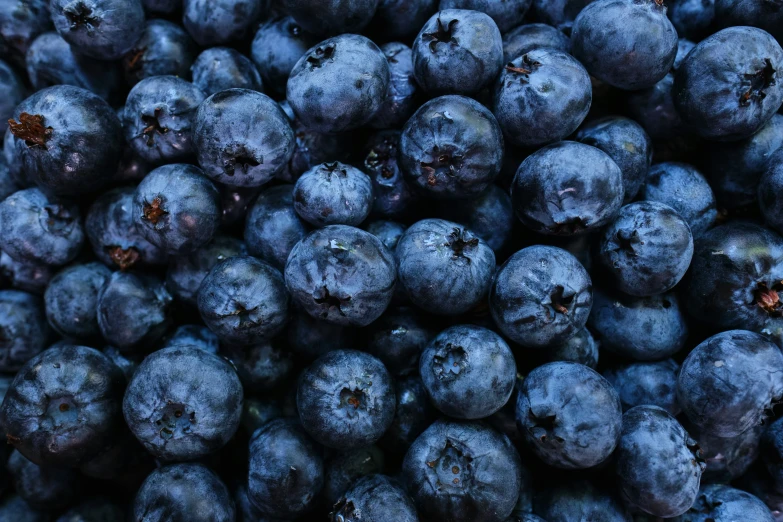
(529, 37)
(626, 142)
(127, 363)
(580, 500)
(163, 49)
(506, 14)
(394, 199)
(260, 366)
(468, 372)
(463, 471)
(558, 13)
(658, 464)
(311, 148)
(541, 97)
(413, 414)
(339, 84)
(242, 138)
(272, 227)
(457, 52)
(243, 300)
(309, 338)
(647, 249)
(51, 61)
(176, 208)
(8, 183)
(639, 328)
(25, 275)
(398, 338)
(66, 139)
(183, 403)
(627, 44)
(23, 329)
(401, 97)
(220, 22)
(646, 383)
(726, 89)
(342, 275)
(221, 68)
(12, 92)
(685, 189)
(331, 16)
(451, 148)
(235, 202)
(345, 468)
(772, 449)
(102, 29)
(72, 300)
(40, 229)
(333, 194)
(567, 188)
(727, 383)
(569, 414)
(727, 458)
(400, 20)
(94, 510)
(113, 235)
(541, 297)
(286, 470)
(20, 22)
(182, 492)
(374, 498)
(346, 399)
(693, 19)
(13, 507)
(750, 12)
(257, 412)
(277, 46)
(719, 503)
(159, 117)
(186, 273)
(43, 487)
(582, 348)
(389, 232)
(193, 335)
(56, 416)
(769, 185)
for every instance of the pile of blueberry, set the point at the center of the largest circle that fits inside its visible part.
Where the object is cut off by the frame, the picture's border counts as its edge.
(391, 260)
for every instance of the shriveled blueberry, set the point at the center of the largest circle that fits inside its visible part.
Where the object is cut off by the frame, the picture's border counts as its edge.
(72, 300)
(528, 37)
(43, 487)
(54, 415)
(345, 468)
(221, 68)
(220, 22)
(333, 194)
(374, 498)
(579, 500)
(163, 49)
(646, 383)
(272, 227)
(413, 414)
(398, 338)
(541, 297)
(346, 399)
(393, 197)
(25, 275)
(401, 96)
(277, 46)
(331, 16)
(342, 275)
(286, 470)
(183, 403)
(23, 329)
(102, 29)
(463, 471)
(193, 335)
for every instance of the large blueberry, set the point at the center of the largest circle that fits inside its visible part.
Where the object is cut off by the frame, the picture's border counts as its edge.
(333, 194)
(646, 383)
(394, 199)
(272, 227)
(401, 97)
(102, 29)
(221, 68)
(529, 37)
(541, 296)
(277, 46)
(346, 399)
(220, 22)
(376, 497)
(163, 49)
(183, 403)
(72, 300)
(23, 329)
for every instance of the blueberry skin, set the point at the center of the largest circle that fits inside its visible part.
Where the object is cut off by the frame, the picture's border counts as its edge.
(346, 468)
(341, 275)
(468, 372)
(719, 503)
(541, 297)
(541, 97)
(52, 61)
(243, 300)
(725, 93)
(398, 338)
(389, 232)
(133, 310)
(772, 449)
(339, 84)
(277, 46)
(23, 327)
(529, 37)
(401, 98)
(72, 300)
(457, 52)
(734, 278)
(558, 13)
(193, 335)
(221, 68)
(770, 184)
(186, 273)
(413, 414)
(646, 383)
(567, 188)
(628, 44)
(20, 22)
(400, 20)
(177, 209)
(647, 249)
(54, 415)
(101, 29)
(579, 500)
(626, 142)
(333, 194)
(451, 148)
(183, 493)
(272, 227)
(329, 17)
(764, 15)
(310, 149)
(261, 366)
(69, 140)
(506, 14)
(490, 216)
(159, 118)
(563, 432)
(164, 49)
(658, 464)
(183, 403)
(8, 183)
(582, 348)
(684, 189)
(242, 138)
(727, 383)
(727, 459)
(639, 328)
(394, 198)
(485, 486)
(43, 487)
(376, 497)
(113, 235)
(346, 399)
(40, 229)
(444, 268)
(219, 22)
(16, 509)
(692, 18)
(25, 275)
(286, 470)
